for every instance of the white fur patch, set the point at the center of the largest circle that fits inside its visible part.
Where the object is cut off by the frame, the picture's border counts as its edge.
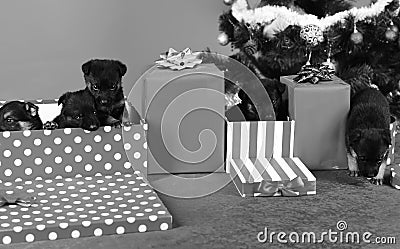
(352, 161)
(25, 125)
(7, 114)
(381, 171)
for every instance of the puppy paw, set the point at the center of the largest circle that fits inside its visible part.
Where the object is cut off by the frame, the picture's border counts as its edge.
(354, 173)
(376, 181)
(50, 125)
(117, 124)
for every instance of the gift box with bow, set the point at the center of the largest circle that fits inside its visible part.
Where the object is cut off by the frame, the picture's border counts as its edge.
(180, 99)
(320, 111)
(261, 163)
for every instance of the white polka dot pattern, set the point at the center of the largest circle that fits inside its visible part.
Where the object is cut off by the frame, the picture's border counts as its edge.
(82, 207)
(66, 152)
(83, 181)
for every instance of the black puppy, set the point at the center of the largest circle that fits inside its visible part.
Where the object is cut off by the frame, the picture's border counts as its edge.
(275, 90)
(368, 135)
(103, 80)
(78, 111)
(19, 116)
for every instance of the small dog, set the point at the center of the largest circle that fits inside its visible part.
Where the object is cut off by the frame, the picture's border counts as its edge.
(103, 80)
(78, 111)
(19, 116)
(368, 135)
(275, 91)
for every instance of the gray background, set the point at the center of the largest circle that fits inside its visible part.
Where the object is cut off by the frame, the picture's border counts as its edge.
(44, 42)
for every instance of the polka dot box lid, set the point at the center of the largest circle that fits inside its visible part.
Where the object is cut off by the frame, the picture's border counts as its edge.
(83, 184)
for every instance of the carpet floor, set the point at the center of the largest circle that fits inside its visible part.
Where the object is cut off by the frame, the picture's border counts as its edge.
(225, 220)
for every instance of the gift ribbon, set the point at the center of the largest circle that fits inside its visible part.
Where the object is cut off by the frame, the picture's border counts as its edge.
(23, 202)
(314, 74)
(286, 188)
(179, 60)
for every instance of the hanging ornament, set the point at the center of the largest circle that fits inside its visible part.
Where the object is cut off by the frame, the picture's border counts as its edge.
(328, 63)
(229, 2)
(390, 35)
(356, 37)
(392, 32)
(394, 28)
(312, 35)
(223, 39)
(250, 47)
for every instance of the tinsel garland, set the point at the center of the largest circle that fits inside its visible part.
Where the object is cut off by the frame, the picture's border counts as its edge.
(282, 14)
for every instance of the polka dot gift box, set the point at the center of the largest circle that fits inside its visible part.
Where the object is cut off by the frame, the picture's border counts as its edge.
(72, 183)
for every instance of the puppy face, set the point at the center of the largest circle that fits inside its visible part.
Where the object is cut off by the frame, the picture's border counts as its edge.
(371, 149)
(103, 79)
(274, 89)
(78, 111)
(19, 116)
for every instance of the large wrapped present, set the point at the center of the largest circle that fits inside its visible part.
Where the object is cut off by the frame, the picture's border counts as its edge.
(71, 183)
(184, 110)
(320, 111)
(261, 163)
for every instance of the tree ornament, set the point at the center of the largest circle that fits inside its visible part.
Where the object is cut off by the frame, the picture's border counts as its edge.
(394, 28)
(229, 2)
(223, 39)
(250, 47)
(390, 35)
(356, 37)
(312, 35)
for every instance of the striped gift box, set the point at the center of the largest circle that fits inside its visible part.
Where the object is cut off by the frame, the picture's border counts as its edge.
(393, 133)
(395, 176)
(261, 163)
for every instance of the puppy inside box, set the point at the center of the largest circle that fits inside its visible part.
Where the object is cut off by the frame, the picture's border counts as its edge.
(101, 103)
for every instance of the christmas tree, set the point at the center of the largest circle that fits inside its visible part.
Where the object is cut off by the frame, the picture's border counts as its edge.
(279, 37)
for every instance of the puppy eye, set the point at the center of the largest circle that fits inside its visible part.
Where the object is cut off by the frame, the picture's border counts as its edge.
(77, 117)
(362, 158)
(113, 87)
(95, 87)
(9, 120)
(94, 112)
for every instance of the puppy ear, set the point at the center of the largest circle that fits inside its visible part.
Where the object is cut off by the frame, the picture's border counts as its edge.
(122, 68)
(387, 139)
(86, 67)
(32, 109)
(63, 98)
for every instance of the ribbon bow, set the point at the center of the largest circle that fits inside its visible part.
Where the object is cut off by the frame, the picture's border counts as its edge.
(21, 201)
(314, 74)
(286, 188)
(231, 100)
(179, 60)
